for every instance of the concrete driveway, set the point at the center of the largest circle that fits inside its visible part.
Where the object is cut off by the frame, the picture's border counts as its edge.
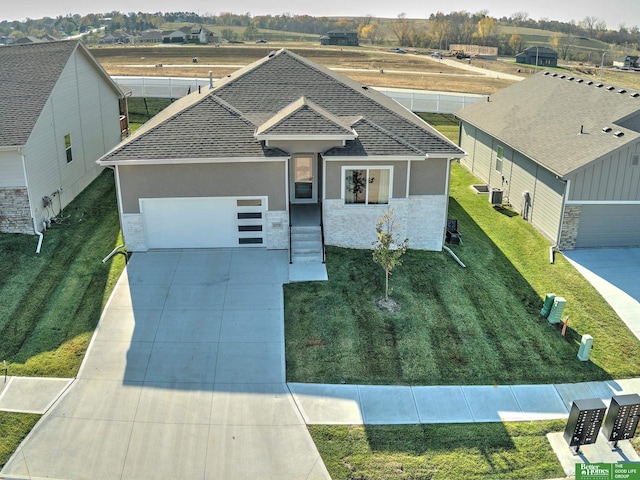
(185, 378)
(614, 272)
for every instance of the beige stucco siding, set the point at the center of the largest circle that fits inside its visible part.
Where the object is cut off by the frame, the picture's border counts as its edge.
(333, 180)
(428, 177)
(204, 180)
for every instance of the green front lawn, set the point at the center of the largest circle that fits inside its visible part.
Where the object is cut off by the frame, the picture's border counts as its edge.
(469, 451)
(51, 302)
(478, 325)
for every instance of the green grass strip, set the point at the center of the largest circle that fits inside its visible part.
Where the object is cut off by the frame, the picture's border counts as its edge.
(470, 451)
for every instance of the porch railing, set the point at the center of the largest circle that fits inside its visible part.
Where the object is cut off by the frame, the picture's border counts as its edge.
(324, 253)
(290, 238)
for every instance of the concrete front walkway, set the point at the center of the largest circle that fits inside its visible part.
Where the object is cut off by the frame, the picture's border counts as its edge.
(185, 378)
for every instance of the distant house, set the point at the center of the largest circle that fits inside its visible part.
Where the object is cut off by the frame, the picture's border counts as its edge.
(189, 34)
(345, 39)
(565, 152)
(541, 56)
(627, 62)
(115, 38)
(28, 39)
(61, 115)
(233, 166)
(150, 36)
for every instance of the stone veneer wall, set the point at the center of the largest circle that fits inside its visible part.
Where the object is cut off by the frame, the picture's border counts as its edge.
(277, 237)
(570, 226)
(426, 221)
(421, 219)
(15, 215)
(133, 232)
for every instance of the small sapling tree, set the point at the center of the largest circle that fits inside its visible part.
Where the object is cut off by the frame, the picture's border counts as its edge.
(387, 249)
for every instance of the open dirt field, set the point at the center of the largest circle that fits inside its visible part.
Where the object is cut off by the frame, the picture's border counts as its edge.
(377, 67)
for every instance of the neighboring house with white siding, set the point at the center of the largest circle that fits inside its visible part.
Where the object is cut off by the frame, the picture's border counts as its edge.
(60, 113)
(566, 153)
(275, 154)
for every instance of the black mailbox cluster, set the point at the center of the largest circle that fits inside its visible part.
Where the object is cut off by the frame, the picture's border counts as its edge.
(585, 420)
(622, 420)
(587, 415)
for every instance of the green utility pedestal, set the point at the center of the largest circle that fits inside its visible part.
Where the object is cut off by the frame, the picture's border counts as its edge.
(555, 316)
(585, 347)
(548, 303)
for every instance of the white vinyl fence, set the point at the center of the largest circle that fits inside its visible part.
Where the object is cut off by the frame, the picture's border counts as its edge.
(415, 100)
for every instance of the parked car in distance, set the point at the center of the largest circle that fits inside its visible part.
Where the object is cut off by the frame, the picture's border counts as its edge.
(261, 40)
(400, 50)
(436, 55)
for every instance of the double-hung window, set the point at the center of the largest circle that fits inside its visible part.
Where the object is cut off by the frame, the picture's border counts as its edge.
(499, 154)
(67, 147)
(367, 185)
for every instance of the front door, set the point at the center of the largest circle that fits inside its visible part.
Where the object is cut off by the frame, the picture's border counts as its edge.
(304, 185)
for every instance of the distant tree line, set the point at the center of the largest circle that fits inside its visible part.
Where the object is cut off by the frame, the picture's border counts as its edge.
(441, 31)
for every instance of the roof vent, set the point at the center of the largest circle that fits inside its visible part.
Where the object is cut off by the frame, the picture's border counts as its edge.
(599, 85)
(579, 80)
(635, 95)
(622, 90)
(364, 87)
(554, 74)
(271, 53)
(618, 133)
(546, 73)
(610, 88)
(571, 78)
(606, 129)
(563, 76)
(589, 82)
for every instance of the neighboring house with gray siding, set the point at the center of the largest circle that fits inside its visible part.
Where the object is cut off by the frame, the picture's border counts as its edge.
(60, 113)
(566, 152)
(277, 141)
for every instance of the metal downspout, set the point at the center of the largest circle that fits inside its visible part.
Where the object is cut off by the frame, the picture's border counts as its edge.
(33, 217)
(552, 248)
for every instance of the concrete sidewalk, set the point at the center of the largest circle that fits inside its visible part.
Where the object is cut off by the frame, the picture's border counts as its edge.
(383, 405)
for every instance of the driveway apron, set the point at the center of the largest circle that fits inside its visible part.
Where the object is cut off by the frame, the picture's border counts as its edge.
(185, 378)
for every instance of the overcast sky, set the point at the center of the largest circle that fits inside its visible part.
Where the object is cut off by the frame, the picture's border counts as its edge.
(613, 12)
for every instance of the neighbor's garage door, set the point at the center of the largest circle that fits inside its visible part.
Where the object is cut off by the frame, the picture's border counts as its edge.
(211, 222)
(609, 226)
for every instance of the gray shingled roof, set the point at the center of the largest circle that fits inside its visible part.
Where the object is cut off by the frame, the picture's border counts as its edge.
(28, 74)
(245, 100)
(195, 132)
(542, 117)
(374, 140)
(305, 118)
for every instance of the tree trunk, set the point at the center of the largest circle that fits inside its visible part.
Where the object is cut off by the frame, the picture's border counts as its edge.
(386, 286)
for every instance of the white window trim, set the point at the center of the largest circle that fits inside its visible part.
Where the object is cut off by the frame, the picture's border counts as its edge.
(68, 151)
(499, 157)
(365, 167)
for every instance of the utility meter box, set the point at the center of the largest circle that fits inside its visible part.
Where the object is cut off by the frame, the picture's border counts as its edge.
(585, 420)
(555, 315)
(548, 303)
(622, 419)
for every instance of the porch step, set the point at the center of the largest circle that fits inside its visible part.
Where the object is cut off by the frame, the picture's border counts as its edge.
(306, 244)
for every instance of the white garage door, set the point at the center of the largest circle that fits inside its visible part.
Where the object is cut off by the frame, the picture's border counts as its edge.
(210, 222)
(609, 226)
